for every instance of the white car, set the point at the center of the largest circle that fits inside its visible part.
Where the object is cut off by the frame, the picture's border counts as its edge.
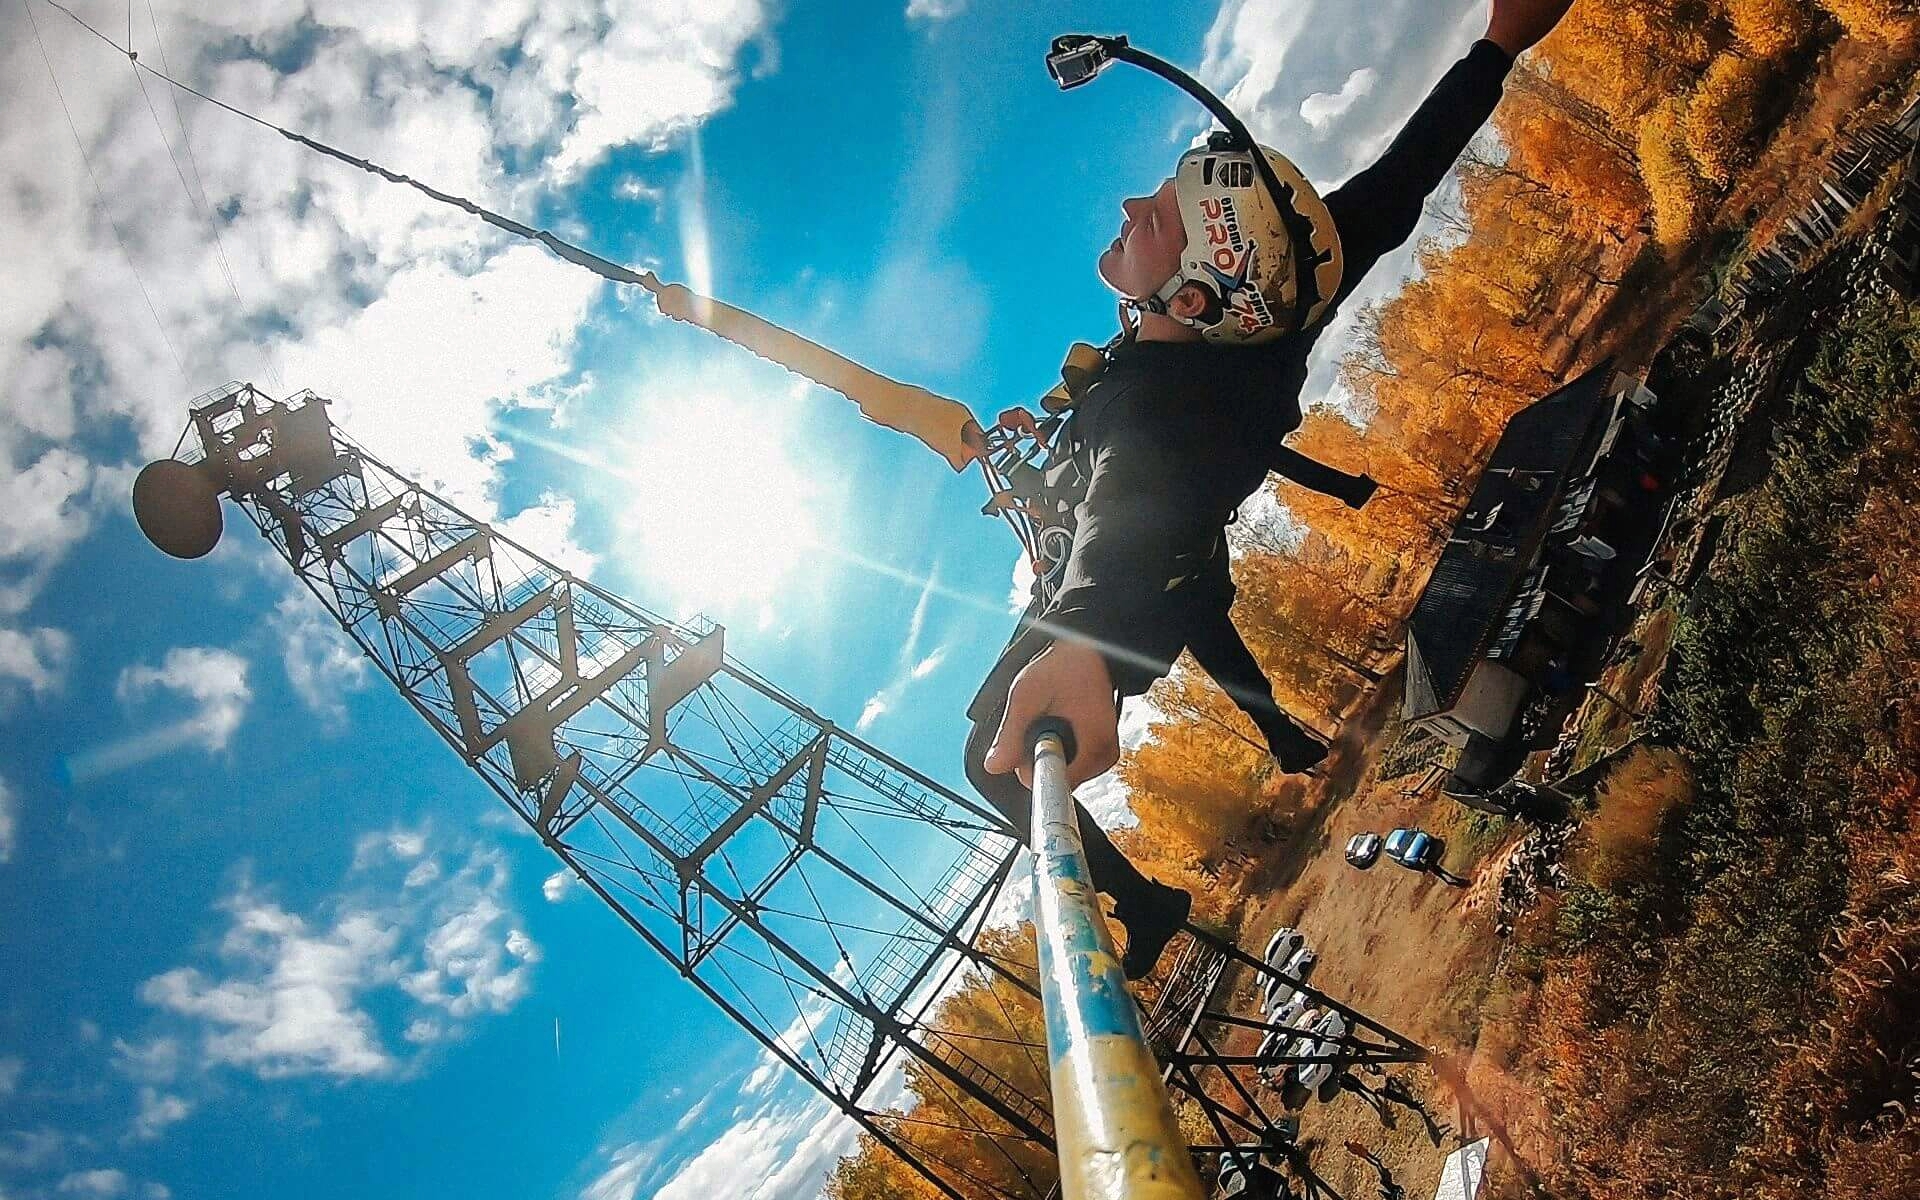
(1284, 943)
(1276, 988)
(1280, 1043)
(1327, 1030)
(1286, 1011)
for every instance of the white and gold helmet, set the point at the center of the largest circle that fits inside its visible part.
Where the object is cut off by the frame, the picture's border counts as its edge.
(1264, 268)
(1260, 242)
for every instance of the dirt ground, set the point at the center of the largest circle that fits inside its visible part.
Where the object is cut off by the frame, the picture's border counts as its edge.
(1401, 947)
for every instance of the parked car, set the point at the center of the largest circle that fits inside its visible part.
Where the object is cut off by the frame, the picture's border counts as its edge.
(1328, 1030)
(1286, 1010)
(1363, 850)
(1282, 1043)
(1276, 988)
(1284, 943)
(1414, 849)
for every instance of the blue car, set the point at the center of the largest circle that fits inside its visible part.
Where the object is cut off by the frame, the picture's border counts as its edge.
(1413, 849)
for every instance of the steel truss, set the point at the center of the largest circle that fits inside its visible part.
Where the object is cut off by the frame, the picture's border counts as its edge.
(826, 896)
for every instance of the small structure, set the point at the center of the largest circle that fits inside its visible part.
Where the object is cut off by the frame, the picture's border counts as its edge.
(1520, 607)
(1465, 1171)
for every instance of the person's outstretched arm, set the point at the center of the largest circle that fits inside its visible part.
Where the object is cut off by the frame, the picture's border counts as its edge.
(1376, 210)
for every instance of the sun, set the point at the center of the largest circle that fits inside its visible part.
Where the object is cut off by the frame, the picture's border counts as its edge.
(724, 510)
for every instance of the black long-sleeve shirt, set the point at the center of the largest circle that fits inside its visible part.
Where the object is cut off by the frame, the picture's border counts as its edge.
(1176, 435)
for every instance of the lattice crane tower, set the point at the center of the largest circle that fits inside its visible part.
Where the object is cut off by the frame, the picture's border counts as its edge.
(821, 892)
(824, 894)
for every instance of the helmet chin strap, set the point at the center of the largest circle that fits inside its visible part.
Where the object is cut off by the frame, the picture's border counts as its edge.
(1161, 302)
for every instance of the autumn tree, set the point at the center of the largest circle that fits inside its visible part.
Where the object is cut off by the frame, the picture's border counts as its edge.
(992, 1018)
(1721, 116)
(1884, 20)
(1770, 28)
(1677, 189)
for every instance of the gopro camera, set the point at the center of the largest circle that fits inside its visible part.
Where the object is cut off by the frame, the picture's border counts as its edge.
(1076, 58)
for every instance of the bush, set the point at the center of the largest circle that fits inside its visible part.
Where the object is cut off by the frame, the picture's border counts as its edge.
(1729, 1005)
(1770, 28)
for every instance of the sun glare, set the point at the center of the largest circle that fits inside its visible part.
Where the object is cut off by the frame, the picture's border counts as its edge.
(723, 507)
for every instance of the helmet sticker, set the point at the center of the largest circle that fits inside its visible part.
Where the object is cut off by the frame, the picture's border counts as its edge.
(1232, 260)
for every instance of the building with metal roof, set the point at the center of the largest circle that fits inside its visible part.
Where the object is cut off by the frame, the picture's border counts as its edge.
(1518, 597)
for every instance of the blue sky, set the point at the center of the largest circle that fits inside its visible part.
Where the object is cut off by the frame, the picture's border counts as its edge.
(263, 934)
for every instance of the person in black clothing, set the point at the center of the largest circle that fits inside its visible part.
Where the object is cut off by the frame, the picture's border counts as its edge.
(1389, 1190)
(1184, 424)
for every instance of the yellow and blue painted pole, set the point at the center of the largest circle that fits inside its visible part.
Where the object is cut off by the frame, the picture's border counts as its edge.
(1117, 1136)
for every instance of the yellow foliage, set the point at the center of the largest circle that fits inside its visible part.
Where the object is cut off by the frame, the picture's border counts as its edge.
(1886, 20)
(1721, 115)
(1679, 193)
(1637, 795)
(1770, 28)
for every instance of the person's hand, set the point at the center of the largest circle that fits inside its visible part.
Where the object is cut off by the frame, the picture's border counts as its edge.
(1517, 25)
(1068, 680)
(1019, 420)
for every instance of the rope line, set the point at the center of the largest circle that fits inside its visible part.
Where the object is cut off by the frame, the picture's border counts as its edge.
(99, 193)
(199, 181)
(561, 248)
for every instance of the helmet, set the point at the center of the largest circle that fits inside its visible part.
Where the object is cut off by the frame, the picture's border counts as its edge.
(1265, 268)
(1260, 242)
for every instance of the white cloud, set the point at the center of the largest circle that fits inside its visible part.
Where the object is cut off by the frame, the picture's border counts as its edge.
(11, 1068)
(1020, 590)
(1105, 798)
(33, 1149)
(322, 663)
(683, 49)
(626, 1170)
(781, 1151)
(103, 1183)
(1322, 108)
(934, 10)
(912, 665)
(555, 886)
(634, 188)
(411, 315)
(155, 1061)
(35, 659)
(293, 995)
(212, 679)
(1269, 58)
(522, 947)
(9, 821)
(46, 514)
(871, 711)
(158, 1111)
(546, 529)
(929, 664)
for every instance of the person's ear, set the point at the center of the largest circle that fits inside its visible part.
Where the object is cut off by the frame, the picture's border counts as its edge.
(1188, 302)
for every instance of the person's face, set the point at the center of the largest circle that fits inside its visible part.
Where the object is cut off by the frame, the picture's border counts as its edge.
(1147, 252)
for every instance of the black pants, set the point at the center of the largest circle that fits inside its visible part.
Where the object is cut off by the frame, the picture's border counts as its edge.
(1222, 653)
(1203, 612)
